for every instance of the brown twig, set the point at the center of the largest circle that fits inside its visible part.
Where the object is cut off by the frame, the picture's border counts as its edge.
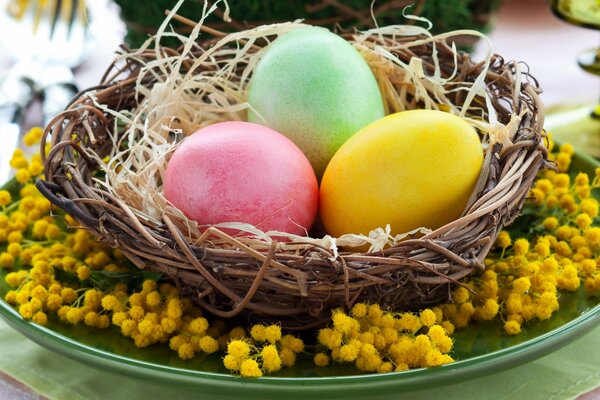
(296, 284)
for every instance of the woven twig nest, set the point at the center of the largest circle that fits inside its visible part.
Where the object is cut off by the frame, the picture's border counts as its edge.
(110, 148)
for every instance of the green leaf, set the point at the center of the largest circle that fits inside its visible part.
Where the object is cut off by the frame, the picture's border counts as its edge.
(106, 280)
(66, 277)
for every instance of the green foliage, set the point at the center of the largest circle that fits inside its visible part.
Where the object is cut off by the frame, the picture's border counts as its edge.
(133, 279)
(446, 15)
(106, 280)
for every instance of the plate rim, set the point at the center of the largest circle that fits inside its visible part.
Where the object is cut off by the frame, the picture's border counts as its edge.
(454, 372)
(458, 371)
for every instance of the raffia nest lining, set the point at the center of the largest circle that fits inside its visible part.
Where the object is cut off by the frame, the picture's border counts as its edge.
(151, 97)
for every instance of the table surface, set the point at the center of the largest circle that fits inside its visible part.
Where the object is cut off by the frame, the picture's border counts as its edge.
(524, 30)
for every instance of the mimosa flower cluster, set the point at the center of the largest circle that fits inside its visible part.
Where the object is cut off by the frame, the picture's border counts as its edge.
(379, 341)
(264, 350)
(57, 271)
(559, 251)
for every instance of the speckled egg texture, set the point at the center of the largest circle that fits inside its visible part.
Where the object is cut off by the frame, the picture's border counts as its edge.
(315, 88)
(243, 172)
(410, 169)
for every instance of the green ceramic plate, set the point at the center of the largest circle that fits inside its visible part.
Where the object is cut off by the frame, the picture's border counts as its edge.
(481, 349)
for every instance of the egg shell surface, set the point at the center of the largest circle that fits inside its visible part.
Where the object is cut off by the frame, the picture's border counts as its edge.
(315, 88)
(411, 169)
(243, 172)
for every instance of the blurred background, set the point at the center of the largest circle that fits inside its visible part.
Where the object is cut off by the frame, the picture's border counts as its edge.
(521, 30)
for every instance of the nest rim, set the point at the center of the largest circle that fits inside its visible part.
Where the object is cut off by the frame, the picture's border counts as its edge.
(297, 288)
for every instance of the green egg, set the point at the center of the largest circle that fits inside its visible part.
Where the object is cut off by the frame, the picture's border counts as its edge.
(315, 88)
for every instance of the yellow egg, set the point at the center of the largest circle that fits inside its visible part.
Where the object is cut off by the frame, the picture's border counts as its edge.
(410, 169)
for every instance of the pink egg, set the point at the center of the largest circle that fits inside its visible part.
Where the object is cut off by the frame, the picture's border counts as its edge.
(243, 172)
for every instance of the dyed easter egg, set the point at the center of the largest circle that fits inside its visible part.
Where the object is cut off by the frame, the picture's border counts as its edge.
(243, 172)
(410, 169)
(315, 88)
